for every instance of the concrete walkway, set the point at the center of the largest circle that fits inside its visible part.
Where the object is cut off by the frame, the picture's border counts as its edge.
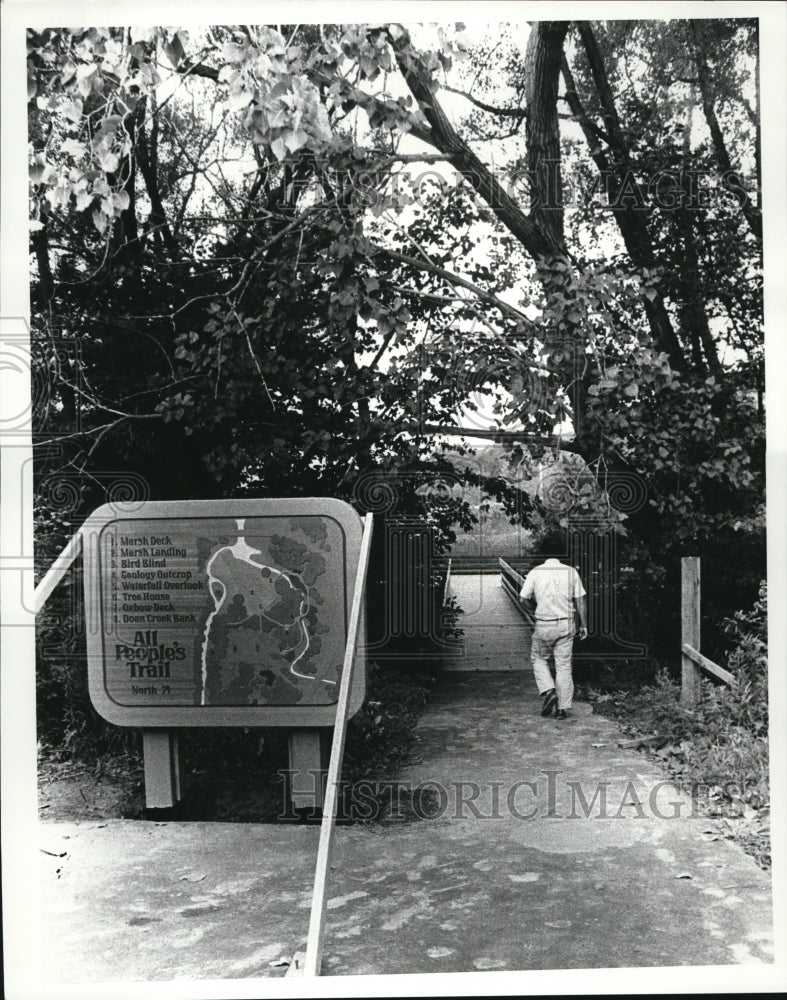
(487, 862)
(509, 842)
(532, 882)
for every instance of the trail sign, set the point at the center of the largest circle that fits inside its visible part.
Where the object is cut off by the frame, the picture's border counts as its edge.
(220, 612)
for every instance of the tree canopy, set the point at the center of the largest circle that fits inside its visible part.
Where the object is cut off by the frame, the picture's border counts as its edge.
(272, 259)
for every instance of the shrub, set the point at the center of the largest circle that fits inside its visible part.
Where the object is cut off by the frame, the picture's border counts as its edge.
(723, 743)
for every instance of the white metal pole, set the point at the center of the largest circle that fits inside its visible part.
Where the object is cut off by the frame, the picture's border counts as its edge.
(313, 958)
(57, 571)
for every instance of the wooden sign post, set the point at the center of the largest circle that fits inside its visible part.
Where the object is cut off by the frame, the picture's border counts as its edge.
(690, 690)
(222, 613)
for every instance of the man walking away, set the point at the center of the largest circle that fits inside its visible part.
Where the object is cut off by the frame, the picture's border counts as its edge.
(552, 592)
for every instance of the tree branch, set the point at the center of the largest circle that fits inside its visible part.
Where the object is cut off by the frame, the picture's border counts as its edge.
(444, 137)
(187, 68)
(601, 80)
(578, 114)
(491, 108)
(101, 429)
(455, 279)
(632, 224)
(157, 215)
(750, 212)
(589, 129)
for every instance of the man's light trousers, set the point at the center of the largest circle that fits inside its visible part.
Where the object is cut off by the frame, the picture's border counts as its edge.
(554, 639)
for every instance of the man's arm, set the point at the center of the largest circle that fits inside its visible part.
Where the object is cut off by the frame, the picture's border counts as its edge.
(527, 595)
(581, 604)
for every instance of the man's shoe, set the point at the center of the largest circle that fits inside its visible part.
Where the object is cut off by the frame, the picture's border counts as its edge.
(560, 714)
(550, 700)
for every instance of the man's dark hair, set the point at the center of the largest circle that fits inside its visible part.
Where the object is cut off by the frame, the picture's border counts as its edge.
(553, 544)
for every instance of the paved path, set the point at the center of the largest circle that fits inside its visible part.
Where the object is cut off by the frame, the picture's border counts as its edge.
(544, 889)
(533, 883)
(517, 843)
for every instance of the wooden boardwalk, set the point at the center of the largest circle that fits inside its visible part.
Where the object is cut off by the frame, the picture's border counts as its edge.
(496, 636)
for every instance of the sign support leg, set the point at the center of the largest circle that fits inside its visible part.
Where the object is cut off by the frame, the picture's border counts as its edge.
(163, 768)
(309, 752)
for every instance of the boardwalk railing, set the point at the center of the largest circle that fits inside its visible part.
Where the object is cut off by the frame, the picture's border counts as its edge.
(447, 584)
(474, 565)
(512, 582)
(692, 660)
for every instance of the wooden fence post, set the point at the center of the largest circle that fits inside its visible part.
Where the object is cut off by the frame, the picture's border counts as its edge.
(690, 629)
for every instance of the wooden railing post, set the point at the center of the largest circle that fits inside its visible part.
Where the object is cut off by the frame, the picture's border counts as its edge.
(690, 629)
(447, 584)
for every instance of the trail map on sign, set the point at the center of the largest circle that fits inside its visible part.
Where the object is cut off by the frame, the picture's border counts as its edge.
(265, 614)
(223, 611)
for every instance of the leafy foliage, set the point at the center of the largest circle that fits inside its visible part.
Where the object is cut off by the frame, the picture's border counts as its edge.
(269, 261)
(723, 744)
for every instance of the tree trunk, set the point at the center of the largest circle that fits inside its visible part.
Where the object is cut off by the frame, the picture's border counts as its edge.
(542, 73)
(541, 231)
(631, 218)
(694, 318)
(537, 242)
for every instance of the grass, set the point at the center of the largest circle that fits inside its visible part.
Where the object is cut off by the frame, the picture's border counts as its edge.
(496, 536)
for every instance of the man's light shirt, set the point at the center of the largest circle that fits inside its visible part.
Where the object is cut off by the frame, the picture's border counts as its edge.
(553, 586)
